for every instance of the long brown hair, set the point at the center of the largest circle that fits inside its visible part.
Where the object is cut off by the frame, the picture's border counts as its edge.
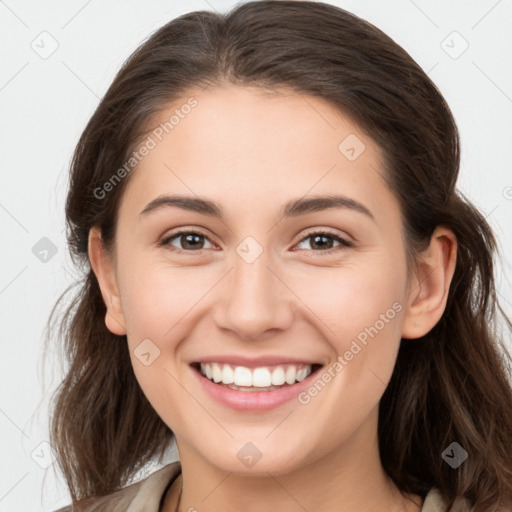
(452, 385)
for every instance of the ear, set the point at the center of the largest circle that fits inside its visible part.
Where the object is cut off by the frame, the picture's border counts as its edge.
(104, 269)
(429, 286)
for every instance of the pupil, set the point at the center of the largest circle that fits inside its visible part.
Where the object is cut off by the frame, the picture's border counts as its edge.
(189, 237)
(316, 237)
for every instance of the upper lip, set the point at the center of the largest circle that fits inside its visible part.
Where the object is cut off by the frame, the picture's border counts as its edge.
(255, 362)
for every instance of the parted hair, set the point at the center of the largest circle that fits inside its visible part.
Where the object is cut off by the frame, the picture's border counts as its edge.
(451, 385)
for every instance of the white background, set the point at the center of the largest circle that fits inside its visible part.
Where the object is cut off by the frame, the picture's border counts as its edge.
(45, 104)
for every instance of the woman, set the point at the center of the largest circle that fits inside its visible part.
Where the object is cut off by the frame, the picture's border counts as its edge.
(282, 278)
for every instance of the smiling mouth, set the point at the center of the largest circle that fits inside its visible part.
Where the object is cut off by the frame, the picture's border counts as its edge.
(264, 378)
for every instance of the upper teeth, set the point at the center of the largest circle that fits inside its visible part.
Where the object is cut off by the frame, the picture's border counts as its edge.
(259, 377)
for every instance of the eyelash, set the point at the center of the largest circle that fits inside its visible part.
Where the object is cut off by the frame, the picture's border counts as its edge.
(343, 242)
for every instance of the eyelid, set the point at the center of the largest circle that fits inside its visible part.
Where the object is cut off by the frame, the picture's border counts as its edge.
(184, 231)
(326, 231)
(344, 241)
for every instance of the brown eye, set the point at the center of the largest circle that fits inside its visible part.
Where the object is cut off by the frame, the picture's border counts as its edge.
(323, 241)
(188, 240)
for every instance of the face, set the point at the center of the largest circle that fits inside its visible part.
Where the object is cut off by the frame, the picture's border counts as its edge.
(260, 285)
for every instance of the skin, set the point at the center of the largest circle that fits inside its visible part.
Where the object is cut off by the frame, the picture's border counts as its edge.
(252, 151)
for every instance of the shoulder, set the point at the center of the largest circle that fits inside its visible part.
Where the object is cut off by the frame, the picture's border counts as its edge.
(434, 502)
(144, 495)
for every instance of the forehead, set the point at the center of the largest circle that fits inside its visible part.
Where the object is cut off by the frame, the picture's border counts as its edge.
(251, 146)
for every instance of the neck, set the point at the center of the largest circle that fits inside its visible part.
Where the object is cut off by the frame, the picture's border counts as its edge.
(350, 477)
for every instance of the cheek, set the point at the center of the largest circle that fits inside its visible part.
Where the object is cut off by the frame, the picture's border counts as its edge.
(157, 303)
(347, 300)
(157, 296)
(342, 301)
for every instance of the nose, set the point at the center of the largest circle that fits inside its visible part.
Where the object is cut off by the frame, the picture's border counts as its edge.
(255, 300)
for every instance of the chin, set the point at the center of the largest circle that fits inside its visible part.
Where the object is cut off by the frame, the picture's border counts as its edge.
(259, 457)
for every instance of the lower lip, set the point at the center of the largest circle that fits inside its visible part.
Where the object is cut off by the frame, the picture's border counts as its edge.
(253, 400)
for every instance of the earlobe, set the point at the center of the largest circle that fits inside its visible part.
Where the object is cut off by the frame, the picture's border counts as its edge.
(103, 268)
(429, 289)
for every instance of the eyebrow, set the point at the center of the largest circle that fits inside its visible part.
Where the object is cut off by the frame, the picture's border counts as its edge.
(293, 208)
